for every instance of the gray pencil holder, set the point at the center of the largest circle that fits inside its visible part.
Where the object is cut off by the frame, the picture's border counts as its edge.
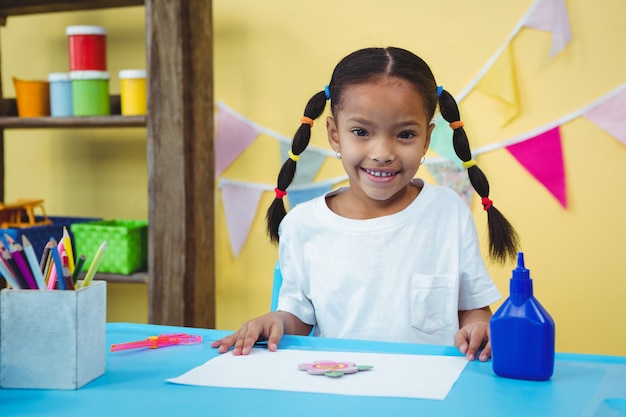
(52, 339)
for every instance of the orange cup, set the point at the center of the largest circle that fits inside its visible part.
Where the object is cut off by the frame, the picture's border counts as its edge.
(33, 98)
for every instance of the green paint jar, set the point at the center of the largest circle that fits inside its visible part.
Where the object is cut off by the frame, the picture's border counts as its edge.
(90, 93)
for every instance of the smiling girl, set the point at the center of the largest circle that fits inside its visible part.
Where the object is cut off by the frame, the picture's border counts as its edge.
(389, 257)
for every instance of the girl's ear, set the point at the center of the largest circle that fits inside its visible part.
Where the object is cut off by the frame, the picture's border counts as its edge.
(333, 134)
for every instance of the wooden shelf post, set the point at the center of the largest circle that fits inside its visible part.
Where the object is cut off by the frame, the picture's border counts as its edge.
(181, 260)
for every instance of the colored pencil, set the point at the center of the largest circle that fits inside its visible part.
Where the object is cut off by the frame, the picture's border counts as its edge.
(17, 253)
(67, 277)
(46, 271)
(45, 256)
(94, 264)
(12, 266)
(80, 264)
(67, 243)
(32, 261)
(58, 268)
(8, 275)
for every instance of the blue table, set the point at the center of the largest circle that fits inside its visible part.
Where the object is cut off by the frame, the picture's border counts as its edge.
(134, 385)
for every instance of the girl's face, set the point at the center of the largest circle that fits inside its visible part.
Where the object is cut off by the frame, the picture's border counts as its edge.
(382, 132)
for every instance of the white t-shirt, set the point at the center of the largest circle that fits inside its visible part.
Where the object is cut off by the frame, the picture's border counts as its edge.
(401, 277)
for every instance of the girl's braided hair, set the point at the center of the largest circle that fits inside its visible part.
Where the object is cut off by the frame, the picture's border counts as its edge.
(367, 65)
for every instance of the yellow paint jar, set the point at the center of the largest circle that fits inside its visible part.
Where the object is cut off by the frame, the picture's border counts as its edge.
(133, 92)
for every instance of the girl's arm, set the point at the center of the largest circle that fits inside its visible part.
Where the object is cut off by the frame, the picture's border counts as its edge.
(473, 333)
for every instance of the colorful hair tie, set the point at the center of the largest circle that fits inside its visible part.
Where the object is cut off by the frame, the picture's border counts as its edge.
(293, 157)
(486, 203)
(280, 193)
(327, 92)
(306, 120)
(469, 164)
(439, 90)
(456, 125)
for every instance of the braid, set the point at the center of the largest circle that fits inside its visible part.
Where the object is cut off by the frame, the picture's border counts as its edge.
(276, 212)
(503, 239)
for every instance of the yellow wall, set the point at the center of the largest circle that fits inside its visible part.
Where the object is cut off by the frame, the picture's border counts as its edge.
(271, 56)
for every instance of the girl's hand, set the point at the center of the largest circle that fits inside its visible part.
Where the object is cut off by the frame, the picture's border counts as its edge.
(471, 338)
(474, 334)
(268, 327)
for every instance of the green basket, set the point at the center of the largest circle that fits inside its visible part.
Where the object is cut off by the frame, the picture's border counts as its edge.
(127, 244)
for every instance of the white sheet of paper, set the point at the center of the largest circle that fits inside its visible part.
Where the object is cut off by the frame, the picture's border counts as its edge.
(393, 375)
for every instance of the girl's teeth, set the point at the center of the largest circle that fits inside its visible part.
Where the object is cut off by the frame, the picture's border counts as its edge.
(380, 174)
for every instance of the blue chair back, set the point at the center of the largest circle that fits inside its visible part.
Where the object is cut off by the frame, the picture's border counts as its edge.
(278, 281)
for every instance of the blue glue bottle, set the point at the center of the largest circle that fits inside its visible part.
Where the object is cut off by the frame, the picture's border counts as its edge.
(522, 332)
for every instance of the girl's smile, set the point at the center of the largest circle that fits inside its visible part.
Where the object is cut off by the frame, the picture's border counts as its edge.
(379, 173)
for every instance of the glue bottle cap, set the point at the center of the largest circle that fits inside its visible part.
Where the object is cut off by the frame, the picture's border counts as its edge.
(521, 272)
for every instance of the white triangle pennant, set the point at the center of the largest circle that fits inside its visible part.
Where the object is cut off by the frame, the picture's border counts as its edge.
(241, 201)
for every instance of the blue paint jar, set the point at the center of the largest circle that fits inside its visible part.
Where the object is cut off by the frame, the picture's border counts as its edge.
(60, 94)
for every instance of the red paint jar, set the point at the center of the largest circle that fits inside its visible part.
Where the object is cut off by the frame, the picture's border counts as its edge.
(87, 48)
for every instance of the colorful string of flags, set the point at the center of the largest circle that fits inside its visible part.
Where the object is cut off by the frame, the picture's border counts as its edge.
(539, 151)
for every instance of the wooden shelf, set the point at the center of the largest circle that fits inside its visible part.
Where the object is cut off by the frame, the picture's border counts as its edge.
(137, 278)
(23, 7)
(15, 122)
(115, 119)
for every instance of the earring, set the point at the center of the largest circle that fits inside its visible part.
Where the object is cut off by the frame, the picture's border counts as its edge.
(338, 155)
(423, 159)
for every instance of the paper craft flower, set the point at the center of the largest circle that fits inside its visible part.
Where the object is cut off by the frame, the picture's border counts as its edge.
(331, 368)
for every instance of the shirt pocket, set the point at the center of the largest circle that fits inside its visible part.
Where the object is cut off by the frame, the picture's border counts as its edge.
(432, 302)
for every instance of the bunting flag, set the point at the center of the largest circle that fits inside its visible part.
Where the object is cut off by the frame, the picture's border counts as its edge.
(551, 16)
(240, 201)
(449, 175)
(501, 84)
(542, 156)
(232, 136)
(610, 115)
(300, 195)
(308, 166)
(441, 141)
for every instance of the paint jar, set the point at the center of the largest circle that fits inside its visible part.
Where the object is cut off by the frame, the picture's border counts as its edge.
(33, 98)
(133, 92)
(87, 48)
(90, 93)
(60, 94)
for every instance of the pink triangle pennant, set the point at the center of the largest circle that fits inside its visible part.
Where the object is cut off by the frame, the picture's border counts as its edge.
(610, 116)
(232, 137)
(551, 16)
(240, 206)
(542, 156)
